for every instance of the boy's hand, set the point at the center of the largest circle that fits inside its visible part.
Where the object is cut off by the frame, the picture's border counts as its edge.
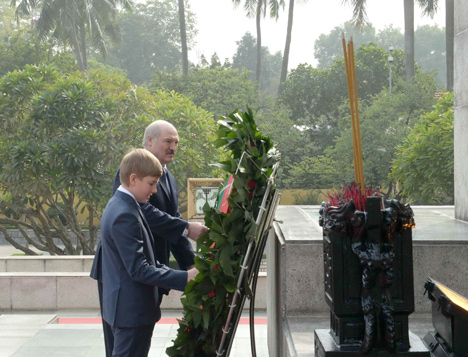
(192, 273)
(196, 229)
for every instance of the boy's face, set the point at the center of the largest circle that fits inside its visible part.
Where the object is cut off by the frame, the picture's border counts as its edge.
(143, 188)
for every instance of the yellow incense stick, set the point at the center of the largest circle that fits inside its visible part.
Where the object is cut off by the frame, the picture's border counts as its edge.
(354, 108)
(356, 119)
(351, 104)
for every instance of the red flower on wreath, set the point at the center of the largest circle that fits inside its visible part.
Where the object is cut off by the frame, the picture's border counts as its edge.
(211, 294)
(252, 184)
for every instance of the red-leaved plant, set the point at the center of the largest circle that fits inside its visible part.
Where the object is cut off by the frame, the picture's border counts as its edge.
(352, 192)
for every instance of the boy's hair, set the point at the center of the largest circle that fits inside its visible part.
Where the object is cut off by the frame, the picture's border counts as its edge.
(140, 162)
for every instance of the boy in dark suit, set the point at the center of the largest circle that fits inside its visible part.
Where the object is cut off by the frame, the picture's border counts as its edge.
(170, 231)
(130, 273)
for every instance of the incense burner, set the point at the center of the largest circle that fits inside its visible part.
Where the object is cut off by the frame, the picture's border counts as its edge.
(368, 267)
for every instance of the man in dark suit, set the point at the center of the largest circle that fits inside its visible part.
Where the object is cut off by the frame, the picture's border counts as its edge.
(130, 272)
(162, 140)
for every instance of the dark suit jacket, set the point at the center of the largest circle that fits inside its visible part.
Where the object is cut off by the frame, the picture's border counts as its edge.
(166, 200)
(130, 272)
(164, 227)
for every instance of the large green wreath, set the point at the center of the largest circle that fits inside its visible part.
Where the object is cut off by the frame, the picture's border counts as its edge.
(221, 251)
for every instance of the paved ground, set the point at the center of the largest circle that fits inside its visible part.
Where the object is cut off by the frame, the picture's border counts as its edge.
(36, 333)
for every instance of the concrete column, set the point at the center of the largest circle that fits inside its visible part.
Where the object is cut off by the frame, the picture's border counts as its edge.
(461, 109)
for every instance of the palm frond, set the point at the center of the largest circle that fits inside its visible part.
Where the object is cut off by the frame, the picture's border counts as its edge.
(126, 5)
(359, 18)
(236, 3)
(250, 7)
(47, 19)
(24, 7)
(275, 7)
(429, 7)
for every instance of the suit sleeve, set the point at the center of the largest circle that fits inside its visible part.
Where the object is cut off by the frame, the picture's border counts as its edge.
(96, 269)
(162, 223)
(128, 238)
(182, 251)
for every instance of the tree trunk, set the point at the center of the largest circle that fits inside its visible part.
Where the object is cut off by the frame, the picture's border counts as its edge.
(284, 65)
(76, 49)
(409, 38)
(449, 38)
(259, 43)
(84, 55)
(14, 243)
(183, 38)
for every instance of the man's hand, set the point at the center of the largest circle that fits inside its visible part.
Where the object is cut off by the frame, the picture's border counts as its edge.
(191, 274)
(196, 229)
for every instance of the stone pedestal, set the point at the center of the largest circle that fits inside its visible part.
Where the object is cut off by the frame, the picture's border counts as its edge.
(325, 346)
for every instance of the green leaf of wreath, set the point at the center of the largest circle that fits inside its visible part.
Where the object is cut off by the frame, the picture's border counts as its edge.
(225, 260)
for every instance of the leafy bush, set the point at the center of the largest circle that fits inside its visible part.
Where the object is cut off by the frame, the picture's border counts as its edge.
(62, 141)
(423, 167)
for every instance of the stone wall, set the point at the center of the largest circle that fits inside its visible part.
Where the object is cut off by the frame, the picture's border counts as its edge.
(56, 283)
(18, 237)
(461, 109)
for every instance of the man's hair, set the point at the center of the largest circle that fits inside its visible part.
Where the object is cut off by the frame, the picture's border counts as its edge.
(140, 162)
(154, 130)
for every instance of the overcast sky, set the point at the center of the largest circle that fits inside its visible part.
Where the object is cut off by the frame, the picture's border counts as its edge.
(220, 25)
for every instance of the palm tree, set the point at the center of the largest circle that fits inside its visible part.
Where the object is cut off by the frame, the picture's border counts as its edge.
(409, 39)
(430, 7)
(258, 8)
(449, 41)
(360, 19)
(183, 37)
(287, 46)
(75, 22)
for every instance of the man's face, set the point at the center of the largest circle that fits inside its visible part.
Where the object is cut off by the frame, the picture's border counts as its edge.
(166, 146)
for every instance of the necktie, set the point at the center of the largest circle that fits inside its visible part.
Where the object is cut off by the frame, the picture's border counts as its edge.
(165, 181)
